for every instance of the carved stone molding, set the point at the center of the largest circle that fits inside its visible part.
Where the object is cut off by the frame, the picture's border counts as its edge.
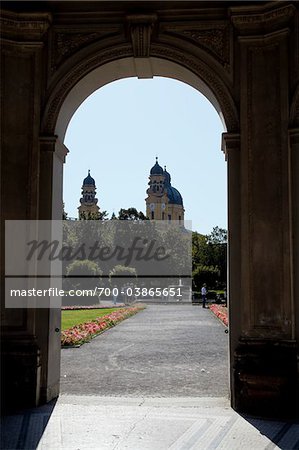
(47, 143)
(215, 83)
(24, 26)
(52, 144)
(214, 38)
(140, 29)
(65, 43)
(212, 80)
(271, 16)
(230, 141)
(58, 95)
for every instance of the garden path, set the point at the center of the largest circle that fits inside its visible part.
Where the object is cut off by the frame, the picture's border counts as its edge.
(163, 351)
(156, 381)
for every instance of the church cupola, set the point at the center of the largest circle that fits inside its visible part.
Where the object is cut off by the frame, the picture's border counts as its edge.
(156, 169)
(88, 181)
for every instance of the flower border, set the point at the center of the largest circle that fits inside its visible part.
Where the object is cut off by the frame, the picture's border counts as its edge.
(84, 332)
(220, 312)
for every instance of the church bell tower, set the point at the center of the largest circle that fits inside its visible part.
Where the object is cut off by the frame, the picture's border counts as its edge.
(88, 208)
(164, 202)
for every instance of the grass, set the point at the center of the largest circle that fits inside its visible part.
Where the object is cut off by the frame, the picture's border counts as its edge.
(71, 318)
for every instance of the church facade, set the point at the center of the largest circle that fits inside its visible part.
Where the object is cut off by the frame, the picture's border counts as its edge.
(164, 202)
(88, 202)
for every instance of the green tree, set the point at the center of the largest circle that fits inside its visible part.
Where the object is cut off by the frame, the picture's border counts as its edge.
(83, 268)
(217, 236)
(101, 215)
(200, 250)
(204, 274)
(83, 274)
(122, 271)
(176, 241)
(217, 241)
(122, 277)
(131, 214)
(210, 251)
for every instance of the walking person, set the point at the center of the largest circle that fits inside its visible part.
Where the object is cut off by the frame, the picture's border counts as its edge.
(204, 295)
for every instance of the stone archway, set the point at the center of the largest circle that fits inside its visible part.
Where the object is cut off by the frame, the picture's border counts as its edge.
(63, 103)
(73, 88)
(241, 57)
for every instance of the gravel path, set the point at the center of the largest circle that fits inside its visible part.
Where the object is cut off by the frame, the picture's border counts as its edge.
(163, 351)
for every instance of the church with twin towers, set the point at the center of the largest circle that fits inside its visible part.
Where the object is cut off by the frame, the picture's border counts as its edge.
(163, 201)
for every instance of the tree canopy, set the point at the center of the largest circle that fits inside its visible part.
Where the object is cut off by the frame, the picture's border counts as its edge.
(131, 214)
(209, 258)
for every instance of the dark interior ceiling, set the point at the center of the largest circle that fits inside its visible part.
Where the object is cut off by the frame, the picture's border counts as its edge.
(103, 5)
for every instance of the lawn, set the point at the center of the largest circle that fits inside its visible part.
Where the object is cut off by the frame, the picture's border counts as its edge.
(95, 322)
(71, 318)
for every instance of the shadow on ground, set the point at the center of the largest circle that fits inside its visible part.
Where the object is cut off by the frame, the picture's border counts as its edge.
(285, 435)
(24, 429)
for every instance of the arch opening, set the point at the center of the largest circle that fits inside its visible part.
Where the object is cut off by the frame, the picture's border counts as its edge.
(67, 363)
(64, 101)
(126, 68)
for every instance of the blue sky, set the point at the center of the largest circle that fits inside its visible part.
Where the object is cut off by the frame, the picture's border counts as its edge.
(119, 130)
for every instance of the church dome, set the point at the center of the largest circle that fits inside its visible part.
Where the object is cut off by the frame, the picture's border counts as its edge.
(88, 180)
(157, 169)
(174, 197)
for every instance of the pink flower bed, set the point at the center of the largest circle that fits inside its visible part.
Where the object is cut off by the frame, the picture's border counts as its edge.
(221, 312)
(79, 334)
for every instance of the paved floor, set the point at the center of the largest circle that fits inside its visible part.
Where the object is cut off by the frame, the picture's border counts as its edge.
(157, 402)
(163, 351)
(106, 423)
